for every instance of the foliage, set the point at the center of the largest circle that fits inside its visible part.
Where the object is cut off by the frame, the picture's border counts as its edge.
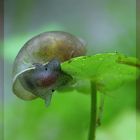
(109, 70)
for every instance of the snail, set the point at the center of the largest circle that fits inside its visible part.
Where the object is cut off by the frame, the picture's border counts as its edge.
(37, 67)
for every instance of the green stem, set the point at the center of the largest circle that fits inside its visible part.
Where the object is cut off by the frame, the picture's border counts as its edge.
(92, 128)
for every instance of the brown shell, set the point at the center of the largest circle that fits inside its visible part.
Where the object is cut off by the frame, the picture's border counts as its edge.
(41, 49)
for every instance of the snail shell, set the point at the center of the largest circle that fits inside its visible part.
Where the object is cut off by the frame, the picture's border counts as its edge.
(44, 51)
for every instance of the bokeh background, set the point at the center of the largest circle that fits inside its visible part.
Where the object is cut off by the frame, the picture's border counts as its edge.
(106, 26)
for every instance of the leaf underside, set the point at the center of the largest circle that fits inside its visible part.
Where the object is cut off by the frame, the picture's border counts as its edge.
(109, 70)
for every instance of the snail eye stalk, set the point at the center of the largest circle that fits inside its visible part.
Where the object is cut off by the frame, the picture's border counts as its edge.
(54, 64)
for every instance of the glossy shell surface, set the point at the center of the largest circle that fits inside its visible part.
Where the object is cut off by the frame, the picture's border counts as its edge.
(41, 49)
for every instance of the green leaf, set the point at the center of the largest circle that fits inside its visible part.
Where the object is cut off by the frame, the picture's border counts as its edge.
(109, 70)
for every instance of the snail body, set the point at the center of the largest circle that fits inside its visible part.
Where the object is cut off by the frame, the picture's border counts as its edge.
(37, 71)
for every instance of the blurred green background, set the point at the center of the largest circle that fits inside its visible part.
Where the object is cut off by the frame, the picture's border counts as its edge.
(106, 26)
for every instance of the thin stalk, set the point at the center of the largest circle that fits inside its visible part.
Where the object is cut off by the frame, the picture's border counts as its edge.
(92, 128)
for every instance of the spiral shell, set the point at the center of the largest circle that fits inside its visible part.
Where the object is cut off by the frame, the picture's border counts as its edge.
(40, 50)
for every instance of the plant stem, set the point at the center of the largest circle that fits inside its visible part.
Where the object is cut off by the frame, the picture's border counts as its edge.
(92, 128)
